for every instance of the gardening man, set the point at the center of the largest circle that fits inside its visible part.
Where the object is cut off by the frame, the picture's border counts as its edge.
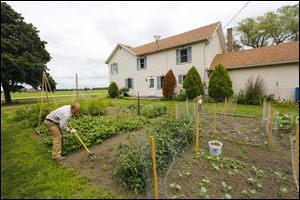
(56, 121)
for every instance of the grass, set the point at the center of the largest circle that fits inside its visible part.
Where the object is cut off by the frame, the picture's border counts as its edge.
(27, 170)
(37, 94)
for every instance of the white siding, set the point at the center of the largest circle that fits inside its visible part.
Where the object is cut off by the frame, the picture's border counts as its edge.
(287, 76)
(159, 63)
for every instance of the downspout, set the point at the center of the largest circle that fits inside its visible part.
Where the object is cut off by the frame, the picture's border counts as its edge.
(204, 64)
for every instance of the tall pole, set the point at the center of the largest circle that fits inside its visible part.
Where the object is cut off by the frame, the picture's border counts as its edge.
(154, 167)
(46, 88)
(271, 129)
(197, 127)
(225, 109)
(76, 87)
(138, 108)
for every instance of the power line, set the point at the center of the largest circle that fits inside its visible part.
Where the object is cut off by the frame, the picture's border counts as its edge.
(237, 14)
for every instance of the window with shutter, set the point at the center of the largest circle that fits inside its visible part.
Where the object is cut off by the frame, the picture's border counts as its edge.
(189, 54)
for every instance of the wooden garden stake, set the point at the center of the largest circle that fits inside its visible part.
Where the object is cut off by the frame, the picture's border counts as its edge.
(271, 129)
(296, 153)
(138, 107)
(46, 89)
(76, 87)
(176, 110)
(197, 127)
(154, 167)
(187, 106)
(225, 109)
(215, 121)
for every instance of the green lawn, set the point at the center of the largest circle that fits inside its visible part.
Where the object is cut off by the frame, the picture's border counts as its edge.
(36, 94)
(27, 170)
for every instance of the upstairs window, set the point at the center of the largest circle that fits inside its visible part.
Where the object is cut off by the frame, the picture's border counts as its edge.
(183, 55)
(114, 68)
(141, 63)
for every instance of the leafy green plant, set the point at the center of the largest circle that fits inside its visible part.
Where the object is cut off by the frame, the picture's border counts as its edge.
(170, 138)
(93, 130)
(113, 90)
(153, 110)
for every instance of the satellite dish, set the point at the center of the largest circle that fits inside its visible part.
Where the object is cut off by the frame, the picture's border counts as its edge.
(156, 37)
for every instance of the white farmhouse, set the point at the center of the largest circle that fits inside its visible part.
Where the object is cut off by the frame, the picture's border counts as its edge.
(142, 68)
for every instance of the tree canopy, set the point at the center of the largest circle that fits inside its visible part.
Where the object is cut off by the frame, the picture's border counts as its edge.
(23, 53)
(169, 84)
(271, 28)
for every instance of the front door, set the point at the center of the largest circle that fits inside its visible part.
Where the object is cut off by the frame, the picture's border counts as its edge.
(151, 89)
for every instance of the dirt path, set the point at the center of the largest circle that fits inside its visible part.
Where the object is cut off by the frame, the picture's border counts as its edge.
(100, 171)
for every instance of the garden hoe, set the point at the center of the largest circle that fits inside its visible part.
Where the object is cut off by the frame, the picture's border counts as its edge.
(91, 155)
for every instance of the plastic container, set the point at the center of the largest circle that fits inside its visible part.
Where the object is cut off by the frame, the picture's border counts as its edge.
(215, 148)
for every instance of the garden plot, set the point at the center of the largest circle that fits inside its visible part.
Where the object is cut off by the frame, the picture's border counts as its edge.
(246, 169)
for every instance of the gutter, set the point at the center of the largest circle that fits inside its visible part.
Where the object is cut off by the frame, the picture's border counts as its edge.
(258, 65)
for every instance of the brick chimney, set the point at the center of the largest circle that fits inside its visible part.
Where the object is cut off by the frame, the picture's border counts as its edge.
(229, 40)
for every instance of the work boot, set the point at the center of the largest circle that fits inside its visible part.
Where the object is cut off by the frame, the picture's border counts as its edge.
(60, 158)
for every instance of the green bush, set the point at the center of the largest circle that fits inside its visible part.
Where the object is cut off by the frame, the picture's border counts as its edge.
(113, 90)
(193, 84)
(124, 92)
(133, 165)
(220, 84)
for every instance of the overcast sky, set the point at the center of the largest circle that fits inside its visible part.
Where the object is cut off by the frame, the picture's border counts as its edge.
(81, 35)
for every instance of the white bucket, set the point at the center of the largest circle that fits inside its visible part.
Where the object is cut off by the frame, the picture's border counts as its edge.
(215, 150)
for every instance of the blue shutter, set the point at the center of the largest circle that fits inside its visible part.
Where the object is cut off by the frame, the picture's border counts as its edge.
(158, 82)
(180, 79)
(177, 56)
(138, 64)
(189, 54)
(145, 62)
(126, 85)
(111, 68)
(117, 68)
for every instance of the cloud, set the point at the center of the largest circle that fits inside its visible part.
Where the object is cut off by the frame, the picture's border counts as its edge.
(81, 35)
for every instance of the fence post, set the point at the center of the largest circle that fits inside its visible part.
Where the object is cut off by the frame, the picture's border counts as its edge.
(154, 167)
(187, 106)
(138, 109)
(225, 109)
(197, 127)
(296, 153)
(46, 89)
(76, 87)
(176, 110)
(271, 129)
(215, 121)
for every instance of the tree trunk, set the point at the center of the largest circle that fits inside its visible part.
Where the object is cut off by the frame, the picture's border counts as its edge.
(6, 89)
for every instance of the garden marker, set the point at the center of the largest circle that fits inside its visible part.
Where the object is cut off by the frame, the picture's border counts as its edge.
(197, 127)
(154, 167)
(187, 106)
(296, 155)
(91, 156)
(176, 110)
(271, 129)
(215, 122)
(225, 109)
